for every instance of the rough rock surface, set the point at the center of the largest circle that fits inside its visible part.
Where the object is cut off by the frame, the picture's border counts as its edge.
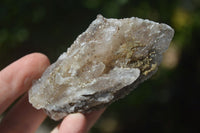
(104, 64)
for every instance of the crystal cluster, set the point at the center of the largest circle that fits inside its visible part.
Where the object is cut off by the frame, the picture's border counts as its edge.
(103, 64)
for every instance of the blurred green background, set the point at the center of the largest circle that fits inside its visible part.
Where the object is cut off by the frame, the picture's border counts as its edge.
(167, 103)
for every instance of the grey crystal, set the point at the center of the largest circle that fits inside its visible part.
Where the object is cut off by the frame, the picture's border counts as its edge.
(103, 64)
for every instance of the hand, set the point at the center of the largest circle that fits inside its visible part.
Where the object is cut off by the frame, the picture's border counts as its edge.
(15, 80)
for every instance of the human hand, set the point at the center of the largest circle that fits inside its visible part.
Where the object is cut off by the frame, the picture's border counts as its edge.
(15, 80)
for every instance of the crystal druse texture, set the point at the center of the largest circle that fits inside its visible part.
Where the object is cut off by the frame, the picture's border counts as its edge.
(103, 64)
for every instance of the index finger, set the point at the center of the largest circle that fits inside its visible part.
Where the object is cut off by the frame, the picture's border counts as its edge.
(17, 77)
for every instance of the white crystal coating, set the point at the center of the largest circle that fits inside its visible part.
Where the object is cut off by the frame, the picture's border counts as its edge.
(110, 55)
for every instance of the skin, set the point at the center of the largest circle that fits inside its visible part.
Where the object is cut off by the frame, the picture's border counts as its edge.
(15, 80)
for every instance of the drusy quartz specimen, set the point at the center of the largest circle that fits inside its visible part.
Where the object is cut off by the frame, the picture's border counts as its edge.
(103, 64)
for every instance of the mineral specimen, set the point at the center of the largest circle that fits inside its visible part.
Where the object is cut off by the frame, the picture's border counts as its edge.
(104, 64)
